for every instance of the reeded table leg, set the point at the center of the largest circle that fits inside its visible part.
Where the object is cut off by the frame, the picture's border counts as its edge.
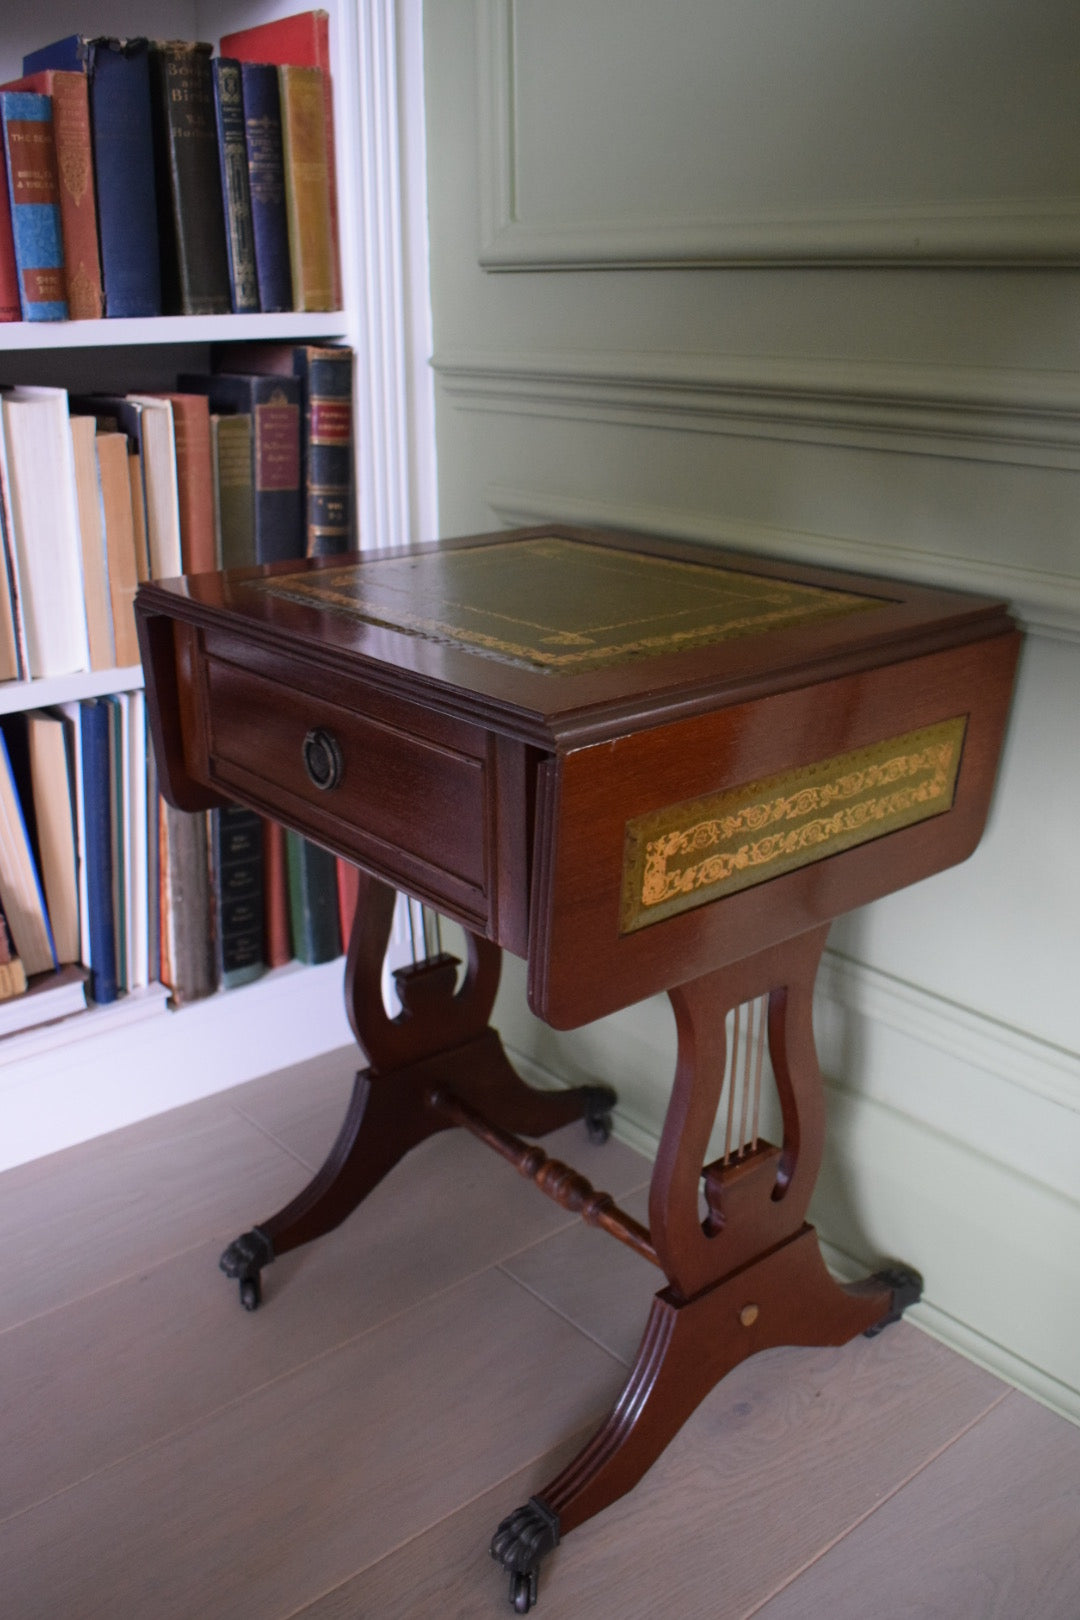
(747, 1277)
(441, 1040)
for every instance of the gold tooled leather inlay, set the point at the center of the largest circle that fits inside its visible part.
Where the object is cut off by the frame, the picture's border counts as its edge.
(562, 605)
(689, 854)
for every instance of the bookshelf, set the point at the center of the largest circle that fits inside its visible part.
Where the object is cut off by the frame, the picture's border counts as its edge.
(112, 1065)
(20, 337)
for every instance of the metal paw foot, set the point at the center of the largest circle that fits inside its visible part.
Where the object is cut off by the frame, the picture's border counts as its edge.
(244, 1260)
(520, 1542)
(599, 1101)
(906, 1287)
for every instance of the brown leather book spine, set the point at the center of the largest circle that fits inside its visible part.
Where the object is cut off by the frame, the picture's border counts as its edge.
(195, 481)
(78, 215)
(277, 935)
(307, 187)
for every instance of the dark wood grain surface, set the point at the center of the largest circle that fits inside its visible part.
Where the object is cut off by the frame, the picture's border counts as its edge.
(511, 707)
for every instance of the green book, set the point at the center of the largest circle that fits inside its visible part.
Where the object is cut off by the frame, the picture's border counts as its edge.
(313, 901)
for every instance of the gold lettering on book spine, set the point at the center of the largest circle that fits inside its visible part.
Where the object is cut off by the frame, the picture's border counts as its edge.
(689, 854)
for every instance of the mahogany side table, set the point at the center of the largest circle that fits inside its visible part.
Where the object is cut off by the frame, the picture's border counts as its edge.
(644, 766)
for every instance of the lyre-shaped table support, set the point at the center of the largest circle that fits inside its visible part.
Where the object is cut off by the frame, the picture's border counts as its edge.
(440, 1042)
(745, 1278)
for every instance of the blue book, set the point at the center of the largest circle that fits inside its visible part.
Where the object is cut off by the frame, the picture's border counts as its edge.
(34, 190)
(70, 55)
(122, 134)
(266, 179)
(95, 727)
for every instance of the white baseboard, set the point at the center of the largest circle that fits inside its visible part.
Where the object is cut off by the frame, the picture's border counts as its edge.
(111, 1067)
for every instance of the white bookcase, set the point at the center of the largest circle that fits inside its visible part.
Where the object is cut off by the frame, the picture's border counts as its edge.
(112, 1065)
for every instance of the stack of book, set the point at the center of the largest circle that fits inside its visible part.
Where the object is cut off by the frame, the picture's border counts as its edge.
(250, 464)
(245, 465)
(148, 177)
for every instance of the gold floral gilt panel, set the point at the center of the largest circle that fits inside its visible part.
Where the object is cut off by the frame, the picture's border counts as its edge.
(562, 605)
(688, 854)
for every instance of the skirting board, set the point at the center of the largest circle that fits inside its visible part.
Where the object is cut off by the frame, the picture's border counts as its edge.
(102, 1070)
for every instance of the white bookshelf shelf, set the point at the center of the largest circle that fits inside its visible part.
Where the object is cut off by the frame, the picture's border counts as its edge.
(20, 336)
(17, 696)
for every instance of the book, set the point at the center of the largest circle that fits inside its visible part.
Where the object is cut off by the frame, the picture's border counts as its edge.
(12, 972)
(95, 722)
(327, 458)
(47, 997)
(70, 93)
(234, 491)
(44, 504)
(313, 900)
(34, 194)
(266, 184)
(158, 450)
(153, 867)
(137, 486)
(13, 662)
(188, 963)
(10, 307)
(21, 892)
(55, 816)
(111, 450)
(277, 936)
(273, 403)
(194, 480)
(307, 187)
(96, 597)
(118, 836)
(71, 716)
(235, 184)
(348, 890)
(302, 40)
(191, 218)
(122, 139)
(237, 865)
(133, 839)
(147, 419)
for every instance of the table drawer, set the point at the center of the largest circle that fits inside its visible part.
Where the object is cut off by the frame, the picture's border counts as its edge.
(397, 788)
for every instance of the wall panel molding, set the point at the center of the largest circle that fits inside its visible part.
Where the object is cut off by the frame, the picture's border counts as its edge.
(996, 231)
(1046, 604)
(1031, 418)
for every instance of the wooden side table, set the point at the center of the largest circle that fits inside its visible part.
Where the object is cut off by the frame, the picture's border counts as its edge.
(643, 766)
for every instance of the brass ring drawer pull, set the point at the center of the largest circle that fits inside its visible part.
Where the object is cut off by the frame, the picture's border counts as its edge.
(323, 759)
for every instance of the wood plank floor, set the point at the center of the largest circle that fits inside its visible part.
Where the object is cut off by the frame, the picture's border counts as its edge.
(345, 1452)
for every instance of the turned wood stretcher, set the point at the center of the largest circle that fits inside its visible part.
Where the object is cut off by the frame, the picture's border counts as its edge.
(643, 766)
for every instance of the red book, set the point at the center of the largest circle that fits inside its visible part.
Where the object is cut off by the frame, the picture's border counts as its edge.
(9, 275)
(277, 935)
(194, 481)
(75, 165)
(302, 40)
(348, 889)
